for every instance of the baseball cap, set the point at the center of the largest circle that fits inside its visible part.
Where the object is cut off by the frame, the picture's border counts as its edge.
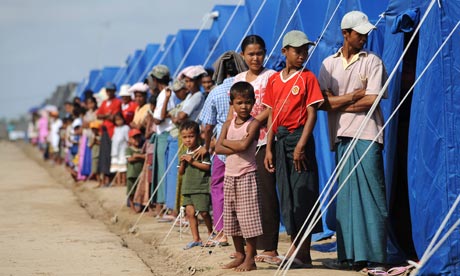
(133, 132)
(356, 21)
(160, 71)
(110, 86)
(296, 38)
(178, 85)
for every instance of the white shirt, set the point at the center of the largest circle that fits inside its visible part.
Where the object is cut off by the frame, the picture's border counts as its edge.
(166, 124)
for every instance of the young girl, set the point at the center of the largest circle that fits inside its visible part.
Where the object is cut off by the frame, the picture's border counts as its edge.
(253, 52)
(238, 141)
(195, 181)
(119, 144)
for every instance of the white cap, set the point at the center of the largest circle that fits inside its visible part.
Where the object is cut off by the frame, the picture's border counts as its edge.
(139, 87)
(124, 91)
(356, 21)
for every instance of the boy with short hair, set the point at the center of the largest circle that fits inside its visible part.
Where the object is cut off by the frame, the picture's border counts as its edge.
(238, 140)
(195, 181)
(292, 97)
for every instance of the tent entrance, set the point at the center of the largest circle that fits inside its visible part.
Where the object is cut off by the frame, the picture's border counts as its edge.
(399, 201)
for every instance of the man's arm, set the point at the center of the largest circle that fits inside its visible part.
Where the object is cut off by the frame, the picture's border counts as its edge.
(361, 105)
(332, 103)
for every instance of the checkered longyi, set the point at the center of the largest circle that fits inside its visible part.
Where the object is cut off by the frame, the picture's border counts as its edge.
(242, 206)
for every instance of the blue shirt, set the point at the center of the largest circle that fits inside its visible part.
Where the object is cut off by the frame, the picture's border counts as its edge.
(215, 108)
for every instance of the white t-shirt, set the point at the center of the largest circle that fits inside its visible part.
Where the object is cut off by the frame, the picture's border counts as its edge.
(167, 124)
(119, 141)
(192, 105)
(259, 84)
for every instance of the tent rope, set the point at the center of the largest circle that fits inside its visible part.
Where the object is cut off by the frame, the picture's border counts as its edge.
(166, 52)
(149, 66)
(250, 25)
(348, 152)
(222, 33)
(133, 228)
(284, 30)
(195, 39)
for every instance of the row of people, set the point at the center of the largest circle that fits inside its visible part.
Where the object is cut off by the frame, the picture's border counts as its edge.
(252, 159)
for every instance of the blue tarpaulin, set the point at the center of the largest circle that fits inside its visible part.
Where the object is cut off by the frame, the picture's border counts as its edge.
(433, 151)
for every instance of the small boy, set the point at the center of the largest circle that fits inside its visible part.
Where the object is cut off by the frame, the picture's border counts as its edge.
(292, 97)
(195, 181)
(135, 159)
(238, 140)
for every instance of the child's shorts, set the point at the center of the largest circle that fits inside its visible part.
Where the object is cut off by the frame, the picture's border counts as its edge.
(242, 214)
(201, 202)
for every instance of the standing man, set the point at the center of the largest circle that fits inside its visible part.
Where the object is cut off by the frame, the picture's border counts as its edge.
(106, 112)
(350, 80)
(109, 108)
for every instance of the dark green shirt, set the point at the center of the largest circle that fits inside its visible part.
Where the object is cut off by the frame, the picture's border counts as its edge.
(194, 180)
(133, 168)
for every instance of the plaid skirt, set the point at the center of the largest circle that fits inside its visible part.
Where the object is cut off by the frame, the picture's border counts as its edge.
(242, 212)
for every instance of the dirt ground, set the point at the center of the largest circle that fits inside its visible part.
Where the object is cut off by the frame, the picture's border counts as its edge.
(156, 252)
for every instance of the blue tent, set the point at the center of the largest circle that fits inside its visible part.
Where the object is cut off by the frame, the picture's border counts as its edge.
(428, 165)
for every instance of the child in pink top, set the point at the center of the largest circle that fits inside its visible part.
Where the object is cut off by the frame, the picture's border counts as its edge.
(238, 141)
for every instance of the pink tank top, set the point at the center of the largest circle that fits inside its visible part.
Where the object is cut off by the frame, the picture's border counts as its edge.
(243, 162)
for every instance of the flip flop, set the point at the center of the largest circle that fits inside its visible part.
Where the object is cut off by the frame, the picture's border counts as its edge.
(214, 243)
(192, 244)
(296, 263)
(261, 257)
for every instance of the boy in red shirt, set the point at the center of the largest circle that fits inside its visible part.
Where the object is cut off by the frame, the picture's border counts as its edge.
(292, 97)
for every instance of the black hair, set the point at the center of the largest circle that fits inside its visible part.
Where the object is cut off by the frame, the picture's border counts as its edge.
(121, 116)
(93, 100)
(165, 80)
(88, 94)
(252, 39)
(209, 72)
(188, 124)
(77, 110)
(153, 100)
(243, 89)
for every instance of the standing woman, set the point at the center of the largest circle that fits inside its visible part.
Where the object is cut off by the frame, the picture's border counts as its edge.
(253, 52)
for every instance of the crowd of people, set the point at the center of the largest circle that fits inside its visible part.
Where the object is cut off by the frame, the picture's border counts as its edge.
(234, 146)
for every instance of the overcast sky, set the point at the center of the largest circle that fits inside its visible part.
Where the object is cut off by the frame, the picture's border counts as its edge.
(45, 43)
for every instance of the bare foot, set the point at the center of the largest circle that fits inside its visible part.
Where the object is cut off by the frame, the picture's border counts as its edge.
(237, 261)
(247, 265)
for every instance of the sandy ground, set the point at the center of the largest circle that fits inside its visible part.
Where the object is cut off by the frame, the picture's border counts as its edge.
(70, 226)
(44, 231)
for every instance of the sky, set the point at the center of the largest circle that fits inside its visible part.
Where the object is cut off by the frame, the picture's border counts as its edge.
(47, 43)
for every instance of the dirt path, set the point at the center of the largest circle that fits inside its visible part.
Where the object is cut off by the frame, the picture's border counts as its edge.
(44, 231)
(163, 256)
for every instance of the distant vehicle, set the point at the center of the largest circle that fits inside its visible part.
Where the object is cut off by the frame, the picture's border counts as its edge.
(15, 135)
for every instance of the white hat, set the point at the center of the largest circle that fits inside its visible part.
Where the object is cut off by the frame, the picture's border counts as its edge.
(139, 87)
(124, 90)
(192, 71)
(356, 21)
